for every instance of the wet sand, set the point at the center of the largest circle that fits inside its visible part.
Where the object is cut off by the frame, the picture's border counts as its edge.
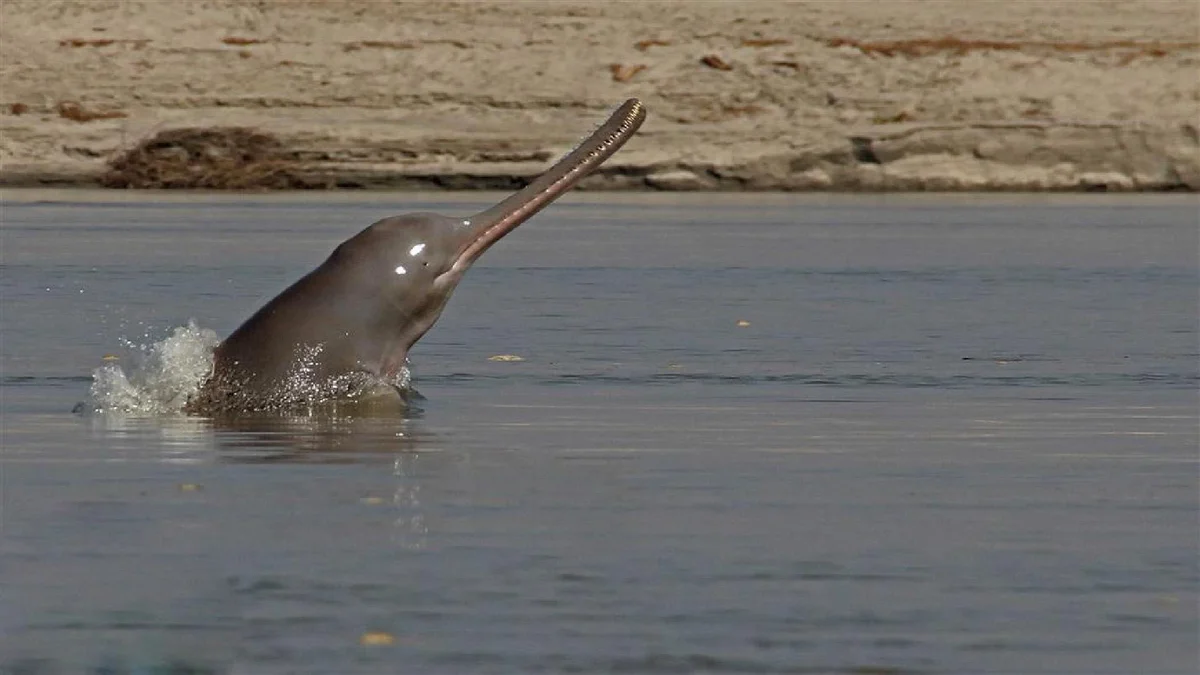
(747, 95)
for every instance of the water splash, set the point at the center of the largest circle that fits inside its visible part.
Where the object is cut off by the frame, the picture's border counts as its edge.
(306, 386)
(158, 377)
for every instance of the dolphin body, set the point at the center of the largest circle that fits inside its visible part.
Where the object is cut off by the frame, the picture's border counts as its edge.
(344, 330)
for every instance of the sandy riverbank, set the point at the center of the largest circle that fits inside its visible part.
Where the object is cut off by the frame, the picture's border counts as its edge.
(749, 94)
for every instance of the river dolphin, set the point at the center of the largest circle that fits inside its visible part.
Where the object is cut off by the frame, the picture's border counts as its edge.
(347, 326)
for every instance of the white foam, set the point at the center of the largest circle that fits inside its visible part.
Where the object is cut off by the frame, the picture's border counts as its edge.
(157, 377)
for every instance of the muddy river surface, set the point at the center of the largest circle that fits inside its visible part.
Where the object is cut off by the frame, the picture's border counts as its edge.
(744, 434)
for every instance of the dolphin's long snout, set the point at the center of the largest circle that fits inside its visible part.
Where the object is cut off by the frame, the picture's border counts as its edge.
(487, 227)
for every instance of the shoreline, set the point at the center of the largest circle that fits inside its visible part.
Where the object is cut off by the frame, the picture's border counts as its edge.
(742, 96)
(469, 199)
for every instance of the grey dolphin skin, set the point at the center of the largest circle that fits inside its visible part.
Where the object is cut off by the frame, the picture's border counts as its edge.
(347, 326)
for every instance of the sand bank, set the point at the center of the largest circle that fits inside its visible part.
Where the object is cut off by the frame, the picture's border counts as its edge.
(743, 95)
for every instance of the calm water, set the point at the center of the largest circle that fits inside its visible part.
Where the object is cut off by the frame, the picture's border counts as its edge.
(755, 434)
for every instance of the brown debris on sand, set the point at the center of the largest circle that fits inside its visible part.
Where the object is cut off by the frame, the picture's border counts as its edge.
(220, 158)
(953, 45)
(624, 73)
(74, 111)
(716, 62)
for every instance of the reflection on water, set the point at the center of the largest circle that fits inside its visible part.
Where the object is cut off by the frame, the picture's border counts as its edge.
(330, 435)
(410, 526)
(767, 435)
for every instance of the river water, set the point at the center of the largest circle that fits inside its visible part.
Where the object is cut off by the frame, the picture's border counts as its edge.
(858, 435)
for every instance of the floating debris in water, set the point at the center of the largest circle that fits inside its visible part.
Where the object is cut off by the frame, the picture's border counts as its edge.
(376, 639)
